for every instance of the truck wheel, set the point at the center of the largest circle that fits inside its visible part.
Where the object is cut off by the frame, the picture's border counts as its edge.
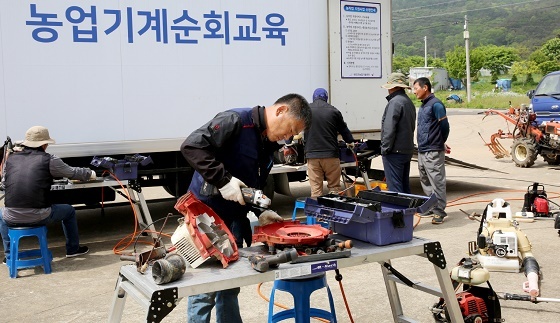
(552, 159)
(523, 152)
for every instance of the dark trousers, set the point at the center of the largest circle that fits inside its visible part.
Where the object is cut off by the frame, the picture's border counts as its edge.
(397, 172)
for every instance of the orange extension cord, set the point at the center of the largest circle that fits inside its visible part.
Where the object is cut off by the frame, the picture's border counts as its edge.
(123, 244)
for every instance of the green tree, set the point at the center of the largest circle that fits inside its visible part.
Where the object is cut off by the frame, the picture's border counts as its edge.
(549, 66)
(456, 63)
(497, 59)
(404, 63)
(551, 49)
(548, 56)
(436, 62)
(524, 68)
(538, 57)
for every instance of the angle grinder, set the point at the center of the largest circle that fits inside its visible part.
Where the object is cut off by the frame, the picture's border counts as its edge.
(255, 197)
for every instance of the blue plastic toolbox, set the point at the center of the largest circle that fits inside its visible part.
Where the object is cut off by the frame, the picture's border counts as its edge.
(375, 216)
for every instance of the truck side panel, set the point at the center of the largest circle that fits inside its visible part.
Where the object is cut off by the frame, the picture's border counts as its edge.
(136, 75)
(361, 47)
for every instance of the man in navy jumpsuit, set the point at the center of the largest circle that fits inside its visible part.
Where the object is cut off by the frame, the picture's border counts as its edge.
(234, 150)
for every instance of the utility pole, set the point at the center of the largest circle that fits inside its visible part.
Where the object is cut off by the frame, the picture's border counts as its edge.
(425, 51)
(466, 36)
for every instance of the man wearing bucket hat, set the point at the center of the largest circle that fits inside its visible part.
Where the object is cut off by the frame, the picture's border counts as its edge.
(29, 174)
(397, 133)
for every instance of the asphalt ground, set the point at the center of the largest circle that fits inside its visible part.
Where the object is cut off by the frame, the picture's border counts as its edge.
(80, 289)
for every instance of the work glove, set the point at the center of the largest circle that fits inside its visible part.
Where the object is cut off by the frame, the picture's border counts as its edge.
(268, 217)
(232, 191)
(93, 175)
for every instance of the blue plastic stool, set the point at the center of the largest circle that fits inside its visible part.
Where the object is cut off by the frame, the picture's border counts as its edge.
(300, 204)
(40, 257)
(301, 289)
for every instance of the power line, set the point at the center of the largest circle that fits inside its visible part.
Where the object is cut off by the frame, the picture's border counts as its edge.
(429, 5)
(455, 22)
(421, 28)
(467, 10)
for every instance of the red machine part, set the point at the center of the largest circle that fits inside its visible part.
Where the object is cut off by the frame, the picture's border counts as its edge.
(191, 208)
(291, 233)
(473, 308)
(540, 206)
(552, 128)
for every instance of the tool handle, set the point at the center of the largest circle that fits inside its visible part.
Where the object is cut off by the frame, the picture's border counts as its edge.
(282, 257)
(347, 244)
(258, 263)
(517, 297)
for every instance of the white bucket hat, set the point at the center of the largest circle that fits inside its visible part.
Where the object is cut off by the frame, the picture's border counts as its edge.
(37, 136)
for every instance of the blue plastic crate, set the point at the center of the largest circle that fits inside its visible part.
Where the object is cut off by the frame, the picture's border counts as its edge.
(373, 221)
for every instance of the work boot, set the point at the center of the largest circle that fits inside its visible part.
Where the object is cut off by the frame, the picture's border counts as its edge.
(438, 219)
(82, 250)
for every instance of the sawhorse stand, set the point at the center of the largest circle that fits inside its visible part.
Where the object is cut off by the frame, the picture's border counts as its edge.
(362, 165)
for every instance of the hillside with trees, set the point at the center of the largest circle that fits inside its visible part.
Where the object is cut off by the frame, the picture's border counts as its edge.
(518, 37)
(522, 24)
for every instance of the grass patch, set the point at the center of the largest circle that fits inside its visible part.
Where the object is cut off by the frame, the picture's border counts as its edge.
(483, 96)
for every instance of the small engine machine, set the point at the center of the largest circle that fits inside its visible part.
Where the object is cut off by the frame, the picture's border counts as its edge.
(502, 246)
(478, 304)
(536, 201)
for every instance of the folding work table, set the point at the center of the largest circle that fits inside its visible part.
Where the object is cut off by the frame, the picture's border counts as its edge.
(133, 191)
(160, 300)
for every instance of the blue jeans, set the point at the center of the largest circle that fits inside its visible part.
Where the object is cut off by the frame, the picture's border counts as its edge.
(397, 172)
(59, 212)
(227, 307)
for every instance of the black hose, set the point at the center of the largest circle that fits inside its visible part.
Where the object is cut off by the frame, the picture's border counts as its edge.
(531, 265)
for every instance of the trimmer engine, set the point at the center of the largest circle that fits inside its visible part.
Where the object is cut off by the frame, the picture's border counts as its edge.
(477, 304)
(540, 206)
(536, 201)
(473, 308)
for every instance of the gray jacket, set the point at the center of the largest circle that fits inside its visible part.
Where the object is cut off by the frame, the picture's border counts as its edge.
(398, 124)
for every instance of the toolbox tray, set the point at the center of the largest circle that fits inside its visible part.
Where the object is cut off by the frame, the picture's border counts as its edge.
(376, 217)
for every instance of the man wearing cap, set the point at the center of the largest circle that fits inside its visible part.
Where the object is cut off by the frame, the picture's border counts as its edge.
(397, 134)
(321, 144)
(29, 174)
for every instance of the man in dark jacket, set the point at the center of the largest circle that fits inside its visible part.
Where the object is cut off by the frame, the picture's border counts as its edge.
(321, 144)
(234, 150)
(29, 174)
(397, 134)
(432, 133)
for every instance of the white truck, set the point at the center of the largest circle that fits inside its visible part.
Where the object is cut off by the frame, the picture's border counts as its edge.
(119, 77)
